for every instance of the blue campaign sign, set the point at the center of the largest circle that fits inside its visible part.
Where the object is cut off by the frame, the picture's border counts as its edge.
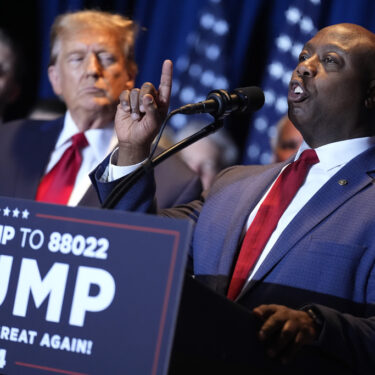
(87, 291)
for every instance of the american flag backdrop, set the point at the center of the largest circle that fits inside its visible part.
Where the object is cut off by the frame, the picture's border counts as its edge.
(205, 63)
(203, 66)
(301, 18)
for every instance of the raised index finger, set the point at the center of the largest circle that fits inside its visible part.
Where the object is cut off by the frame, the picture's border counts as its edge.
(165, 86)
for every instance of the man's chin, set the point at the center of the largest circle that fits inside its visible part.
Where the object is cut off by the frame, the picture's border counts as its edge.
(298, 114)
(99, 105)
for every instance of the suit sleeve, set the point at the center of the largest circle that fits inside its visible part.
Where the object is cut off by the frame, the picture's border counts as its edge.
(141, 196)
(138, 199)
(349, 338)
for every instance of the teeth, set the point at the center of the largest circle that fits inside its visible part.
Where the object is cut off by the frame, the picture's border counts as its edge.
(298, 90)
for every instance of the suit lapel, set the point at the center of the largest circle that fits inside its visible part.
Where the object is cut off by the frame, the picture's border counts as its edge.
(246, 196)
(331, 196)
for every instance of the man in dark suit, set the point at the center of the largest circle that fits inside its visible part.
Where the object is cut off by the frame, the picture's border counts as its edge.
(91, 62)
(313, 285)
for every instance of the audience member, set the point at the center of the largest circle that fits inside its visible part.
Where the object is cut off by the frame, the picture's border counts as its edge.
(306, 266)
(208, 156)
(91, 62)
(9, 72)
(286, 141)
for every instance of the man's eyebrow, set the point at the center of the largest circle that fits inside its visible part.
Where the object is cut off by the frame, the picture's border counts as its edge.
(327, 47)
(76, 50)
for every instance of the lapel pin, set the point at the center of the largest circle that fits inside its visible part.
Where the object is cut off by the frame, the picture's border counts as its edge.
(343, 182)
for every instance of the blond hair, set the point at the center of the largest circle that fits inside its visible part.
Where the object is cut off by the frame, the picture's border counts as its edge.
(121, 26)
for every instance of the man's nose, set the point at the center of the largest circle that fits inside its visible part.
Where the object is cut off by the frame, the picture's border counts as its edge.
(307, 67)
(93, 66)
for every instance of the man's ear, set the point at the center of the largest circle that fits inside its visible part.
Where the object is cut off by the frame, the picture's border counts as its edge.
(370, 96)
(54, 78)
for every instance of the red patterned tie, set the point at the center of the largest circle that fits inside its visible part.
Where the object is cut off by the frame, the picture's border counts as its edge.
(57, 185)
(267, 217)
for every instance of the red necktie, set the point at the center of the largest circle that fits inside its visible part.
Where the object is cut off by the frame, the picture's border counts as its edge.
(57, 185)
(267, 217)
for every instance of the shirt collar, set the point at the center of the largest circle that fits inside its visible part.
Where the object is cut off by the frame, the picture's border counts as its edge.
(98, 139)
(335, 154)
(69, 129)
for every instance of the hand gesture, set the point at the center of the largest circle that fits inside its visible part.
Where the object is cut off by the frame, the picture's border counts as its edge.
(139, 116)
(284, 330)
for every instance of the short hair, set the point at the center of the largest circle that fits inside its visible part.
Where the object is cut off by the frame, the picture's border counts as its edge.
(123, 27)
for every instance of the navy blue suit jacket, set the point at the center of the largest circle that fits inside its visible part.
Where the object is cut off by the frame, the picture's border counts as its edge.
(25, 148)
(325, 256)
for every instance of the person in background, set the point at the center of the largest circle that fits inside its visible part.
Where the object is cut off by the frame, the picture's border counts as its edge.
(91, 63)
(208, 156)
(9, 73)
(286, 141)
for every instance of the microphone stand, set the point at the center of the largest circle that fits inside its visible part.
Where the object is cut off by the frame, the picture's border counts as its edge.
(124, 186)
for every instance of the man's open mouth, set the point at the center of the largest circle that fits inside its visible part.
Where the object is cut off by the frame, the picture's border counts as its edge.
(297, 92)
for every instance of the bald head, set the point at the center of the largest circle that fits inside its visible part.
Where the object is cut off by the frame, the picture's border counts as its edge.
(348, 31)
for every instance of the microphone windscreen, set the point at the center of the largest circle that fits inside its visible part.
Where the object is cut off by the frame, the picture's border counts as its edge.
(253, 98)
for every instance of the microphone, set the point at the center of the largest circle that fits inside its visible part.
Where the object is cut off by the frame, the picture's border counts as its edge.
(220, 103)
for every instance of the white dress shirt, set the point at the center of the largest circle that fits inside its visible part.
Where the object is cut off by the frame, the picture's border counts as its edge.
(101, 142)
(332, 157)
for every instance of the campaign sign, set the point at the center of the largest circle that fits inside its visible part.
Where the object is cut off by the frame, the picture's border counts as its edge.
(87, 291)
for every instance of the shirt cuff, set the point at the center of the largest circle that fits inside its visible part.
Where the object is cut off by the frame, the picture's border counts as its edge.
(114, 172)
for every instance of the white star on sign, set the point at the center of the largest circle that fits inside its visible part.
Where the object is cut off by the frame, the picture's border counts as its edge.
(25, 214)
(6, 211)
(16, 212)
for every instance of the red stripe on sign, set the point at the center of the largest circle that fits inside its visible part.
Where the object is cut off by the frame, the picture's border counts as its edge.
(51, 369)
(165, 305)
(108, 224)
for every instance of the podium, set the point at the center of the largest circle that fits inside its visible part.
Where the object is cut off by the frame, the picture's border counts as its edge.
(217, 336)
(88, 291)
(214, 335)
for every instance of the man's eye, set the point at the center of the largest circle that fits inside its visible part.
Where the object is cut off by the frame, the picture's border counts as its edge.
(329, 60)
(106, 59)
(75, 58)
